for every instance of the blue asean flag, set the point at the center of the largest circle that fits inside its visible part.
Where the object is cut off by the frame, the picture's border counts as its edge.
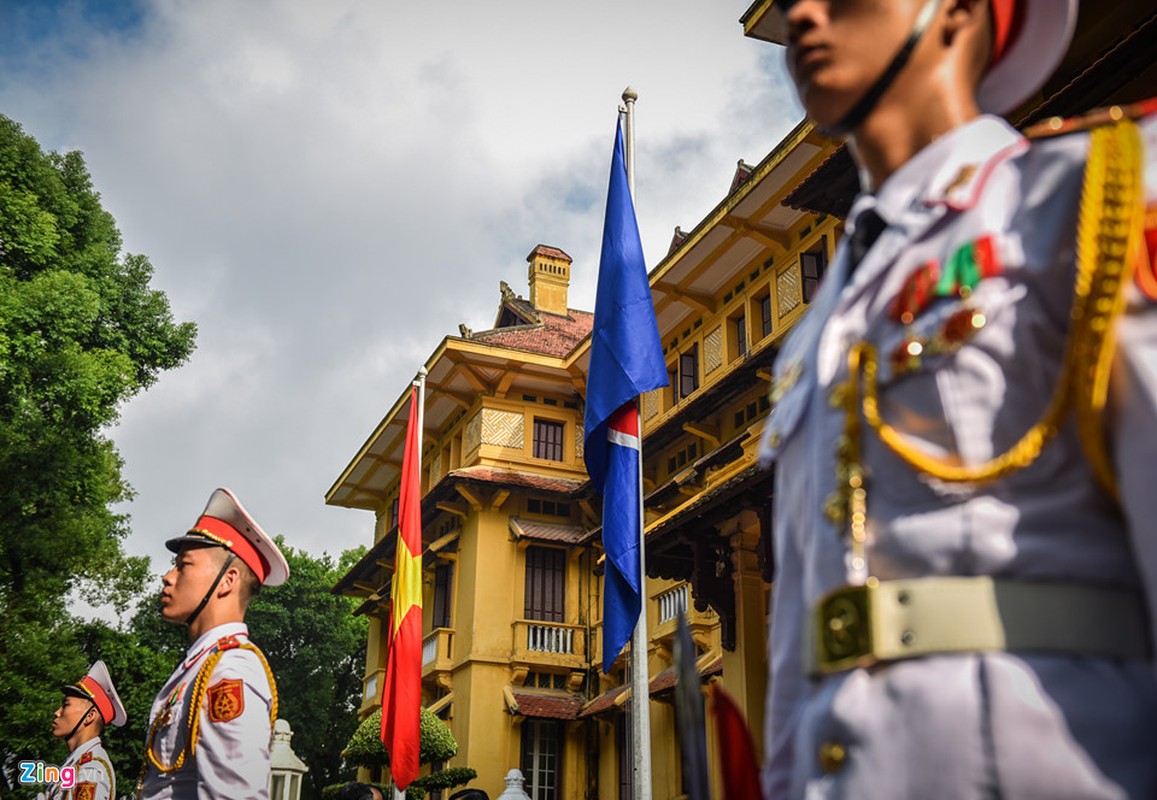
(626, 359)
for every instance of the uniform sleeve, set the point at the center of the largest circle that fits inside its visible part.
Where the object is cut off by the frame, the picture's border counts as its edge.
(1133, 419)
(232, 756)
(92, 782)
(787, 682)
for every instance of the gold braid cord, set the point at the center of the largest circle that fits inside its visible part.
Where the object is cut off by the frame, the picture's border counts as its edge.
(199, 690)
(112, 777)
(1108, 235)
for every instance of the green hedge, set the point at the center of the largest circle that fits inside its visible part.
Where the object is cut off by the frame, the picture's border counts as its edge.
(365, 748)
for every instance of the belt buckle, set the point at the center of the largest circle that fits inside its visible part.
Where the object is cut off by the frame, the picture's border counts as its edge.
(844, 633)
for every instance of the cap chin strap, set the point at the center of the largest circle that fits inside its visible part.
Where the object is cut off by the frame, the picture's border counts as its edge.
(80, 721)
(865, 104)
(213, 588)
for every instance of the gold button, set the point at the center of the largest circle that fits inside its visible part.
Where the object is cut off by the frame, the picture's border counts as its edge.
(832, 756)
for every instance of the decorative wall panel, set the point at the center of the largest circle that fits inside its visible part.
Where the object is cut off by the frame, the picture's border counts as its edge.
(787, 284)
(713, 351)
(472, 436)
(503, 428)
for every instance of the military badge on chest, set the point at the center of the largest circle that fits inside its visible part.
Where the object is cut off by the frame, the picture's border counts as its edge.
(958, 277)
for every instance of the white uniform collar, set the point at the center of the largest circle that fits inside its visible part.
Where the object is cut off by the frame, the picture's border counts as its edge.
(81, 749)
(207, 639)
(949, 171)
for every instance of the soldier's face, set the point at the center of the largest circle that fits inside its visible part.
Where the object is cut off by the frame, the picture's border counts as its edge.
(193, 572)
(838, 48)
(70, 712)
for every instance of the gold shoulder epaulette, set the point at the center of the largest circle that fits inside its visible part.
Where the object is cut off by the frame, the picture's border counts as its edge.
(1057, 126)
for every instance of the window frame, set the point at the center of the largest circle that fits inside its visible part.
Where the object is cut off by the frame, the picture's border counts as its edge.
(544, 596)
(688, 371)
(548, 448)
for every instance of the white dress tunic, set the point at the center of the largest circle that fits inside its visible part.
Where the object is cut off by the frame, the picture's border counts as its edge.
(231, 756)
(991, 724)
(93, 779)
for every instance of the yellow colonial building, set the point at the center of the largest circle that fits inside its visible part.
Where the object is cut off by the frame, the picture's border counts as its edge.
(512, 559)
(512, 601)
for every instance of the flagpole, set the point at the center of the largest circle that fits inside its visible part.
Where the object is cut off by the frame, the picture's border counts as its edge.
(420, 410)
(420, 382)
(640, 678)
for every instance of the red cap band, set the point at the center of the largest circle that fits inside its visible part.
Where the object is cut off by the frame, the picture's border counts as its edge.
(230, 537)
(98, 695)
(1006, 24)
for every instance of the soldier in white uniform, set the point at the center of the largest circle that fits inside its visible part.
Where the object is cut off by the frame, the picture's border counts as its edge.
(211, 724)
(964, 427)
(89, 705)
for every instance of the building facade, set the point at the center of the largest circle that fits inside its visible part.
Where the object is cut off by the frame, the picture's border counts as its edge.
(512, 559)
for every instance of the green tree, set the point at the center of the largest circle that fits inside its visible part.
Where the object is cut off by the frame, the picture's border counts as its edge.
(317, 650)
(139, 664)
(436, 744)
(81, 332)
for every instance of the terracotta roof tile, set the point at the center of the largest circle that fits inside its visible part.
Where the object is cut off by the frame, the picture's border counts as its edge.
(528, 480)
(603, 703)
(548, 706)
(547, 250)
(546, 531)
(667, 678)
(557, 335)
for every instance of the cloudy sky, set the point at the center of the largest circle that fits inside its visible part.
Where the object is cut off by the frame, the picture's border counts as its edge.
(328, 187)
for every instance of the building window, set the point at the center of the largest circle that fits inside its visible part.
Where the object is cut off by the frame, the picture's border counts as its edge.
(541, 758)
(741, 335)
(545, 584)
(689, 370)
(443, 587)
(765, 316)
(393, 514)
(812, 265)
(550, 508)
(548, 439)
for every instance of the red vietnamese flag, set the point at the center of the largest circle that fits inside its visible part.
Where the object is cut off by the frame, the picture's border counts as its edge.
(402, 692)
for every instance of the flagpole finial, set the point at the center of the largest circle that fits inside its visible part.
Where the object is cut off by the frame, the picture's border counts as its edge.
(422, 372)
(630, 95)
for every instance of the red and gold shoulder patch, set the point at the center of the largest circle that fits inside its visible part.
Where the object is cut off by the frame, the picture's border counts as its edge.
(85, 791)
(226, 699)
(1057, 126)
(87, 757)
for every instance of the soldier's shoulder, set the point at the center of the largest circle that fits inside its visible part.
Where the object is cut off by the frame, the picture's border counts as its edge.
(1054, 127)
(238, 658)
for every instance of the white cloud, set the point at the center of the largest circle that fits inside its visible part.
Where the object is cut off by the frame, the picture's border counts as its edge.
(329, 188)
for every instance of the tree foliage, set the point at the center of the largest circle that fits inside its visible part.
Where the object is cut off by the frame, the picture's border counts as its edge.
(81, 332)
(317, 650)
(437, 744)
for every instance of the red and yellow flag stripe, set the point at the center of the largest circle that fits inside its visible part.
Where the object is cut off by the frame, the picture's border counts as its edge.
(402, 691)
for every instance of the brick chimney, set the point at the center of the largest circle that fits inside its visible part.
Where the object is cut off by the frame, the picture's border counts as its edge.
(549, 278)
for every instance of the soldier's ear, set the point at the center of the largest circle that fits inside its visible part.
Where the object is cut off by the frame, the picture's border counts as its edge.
(961, 15)
(231, 580)
(968, 24)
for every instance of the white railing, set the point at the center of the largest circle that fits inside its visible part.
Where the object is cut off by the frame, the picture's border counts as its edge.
(430, 648)
(673, 602)
(549, 639)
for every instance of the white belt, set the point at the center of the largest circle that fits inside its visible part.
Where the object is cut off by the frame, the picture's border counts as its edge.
(859, 626)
